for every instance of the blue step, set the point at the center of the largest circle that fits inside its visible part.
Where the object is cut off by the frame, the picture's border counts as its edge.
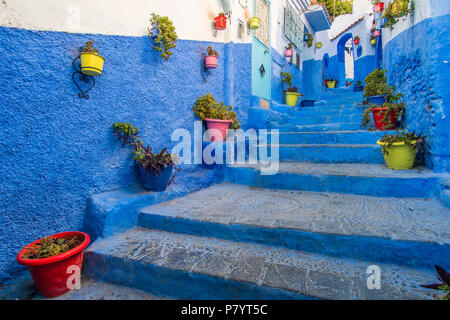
(359, 179)
(330, 137)
(335, 225)
(330, 153)
(325, 119)
(314, 127)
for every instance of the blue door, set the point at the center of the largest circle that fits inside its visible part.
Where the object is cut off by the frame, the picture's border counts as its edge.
(261, 57)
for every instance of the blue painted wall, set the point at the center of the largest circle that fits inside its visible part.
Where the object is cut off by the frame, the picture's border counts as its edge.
(280, 63)
(417, 61)
(312, 79)
(58, 150)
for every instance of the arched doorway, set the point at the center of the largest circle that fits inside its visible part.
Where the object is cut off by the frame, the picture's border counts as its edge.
(345, 60)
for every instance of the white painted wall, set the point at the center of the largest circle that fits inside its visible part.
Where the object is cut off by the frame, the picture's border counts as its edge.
(192, 18)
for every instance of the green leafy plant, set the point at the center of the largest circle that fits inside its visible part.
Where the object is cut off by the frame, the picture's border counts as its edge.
(207, 107)
(444, 286)
(211, 52)
(286, 79)
(49, 247)
(409, 138)
(337, 7)
(396, 10)
(309, 42)
(376, 84)
(166, 39)
(144, 156)
(289, 46)
(89, 47)
(358, 83)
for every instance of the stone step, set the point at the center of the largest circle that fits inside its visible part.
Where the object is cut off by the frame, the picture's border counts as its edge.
(324, 119)
(318, 109)
(330, 137)
(350, 126)
(193, 267)
(411, 232)
(330, 153)
(353, 178)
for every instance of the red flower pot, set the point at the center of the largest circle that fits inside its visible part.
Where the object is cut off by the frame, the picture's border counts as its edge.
(218, 129)
(326, 83)
(378, 115)
(51, 275)
(379, 7)
(211, 62)
(356, 41)
(288, 53)
(221, 22)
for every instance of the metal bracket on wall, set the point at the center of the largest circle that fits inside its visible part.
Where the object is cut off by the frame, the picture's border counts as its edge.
(82, 77)
(204, 71)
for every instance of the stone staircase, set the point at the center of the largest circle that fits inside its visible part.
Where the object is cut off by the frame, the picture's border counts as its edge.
(314, 230)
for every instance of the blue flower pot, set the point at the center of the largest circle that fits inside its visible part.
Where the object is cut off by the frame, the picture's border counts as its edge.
(378, 100)
(358, 88)
(307, 103)
(152, 182)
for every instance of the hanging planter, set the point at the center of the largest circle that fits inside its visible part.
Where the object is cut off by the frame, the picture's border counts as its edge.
(221, 21)
(254, 23)
(373, 41)
(211, 58)
(378, 7)
(376, 33)
(356, 40)
(91, 61)
(308, 40)
(289, 51)
(52, 272)
(319, 45)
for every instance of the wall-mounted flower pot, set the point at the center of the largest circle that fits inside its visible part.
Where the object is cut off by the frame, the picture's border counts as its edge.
(356, 41)
(373, 42)
(291, 98)
(399, 155)
(211, 62)
(358, 88)
(307, 103)
(221, 22)
(153, 182)
(254, 23)
(288, 53)
(306, 37)
(379, 7)
(91, 64)
(51, 274)
(319, 45)
(331, 84)
(376, 33)
(221, 126)
(378, 116)
(378, 100)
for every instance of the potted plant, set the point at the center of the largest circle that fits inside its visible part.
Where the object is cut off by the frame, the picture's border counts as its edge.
(291, 93)
(444, 285)
(400, 149)
(289, 51)
(217, 115)
(254, 23)
(376, 33)
(155, 169)
(163, 35)
(331, 83)
(376, 88)
(53, 260)
(378, 6)
(373, 41)
(319, 45)
(358, 87)
(211, 58)
(356, 40)
(91, 61)
(221, 21)
(308, 39)
(395, 10)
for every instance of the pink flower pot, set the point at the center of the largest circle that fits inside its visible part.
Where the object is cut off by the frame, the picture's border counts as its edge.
(211, 62)
(376, 33)
(217, 129)
(288, 53)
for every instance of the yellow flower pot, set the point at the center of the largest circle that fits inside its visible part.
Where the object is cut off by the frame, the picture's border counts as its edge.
(319, 45)
(91, 64)
(399, 155)
(331, 84)
(254, 23)
(373, 41)
(291, 98)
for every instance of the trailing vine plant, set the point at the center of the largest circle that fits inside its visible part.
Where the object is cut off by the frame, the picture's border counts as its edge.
(395, 10)
(166, 38)
(309, 42)
(207, 107)
(408, 138)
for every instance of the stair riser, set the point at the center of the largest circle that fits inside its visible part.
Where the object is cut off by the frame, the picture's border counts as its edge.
(415, 254)
(302, 120)
(331, 154)
(368, 186)
(318, 110)
(332, 138)
(314, 128)
(176, 283)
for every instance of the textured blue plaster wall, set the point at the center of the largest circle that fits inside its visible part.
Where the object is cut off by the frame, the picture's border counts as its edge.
(312, 79)
(280, 63)
(363, 66)
(416, 64)
(57, 150)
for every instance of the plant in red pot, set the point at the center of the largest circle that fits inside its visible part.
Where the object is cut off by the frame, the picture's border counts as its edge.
(221, 21)
(155, 169)
(55, 261)
(217, 115)
(211, 58)
(378, 6)
(356, 40)
(289, 51)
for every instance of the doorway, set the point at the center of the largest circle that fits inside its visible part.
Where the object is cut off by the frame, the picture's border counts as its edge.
(346, 61)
